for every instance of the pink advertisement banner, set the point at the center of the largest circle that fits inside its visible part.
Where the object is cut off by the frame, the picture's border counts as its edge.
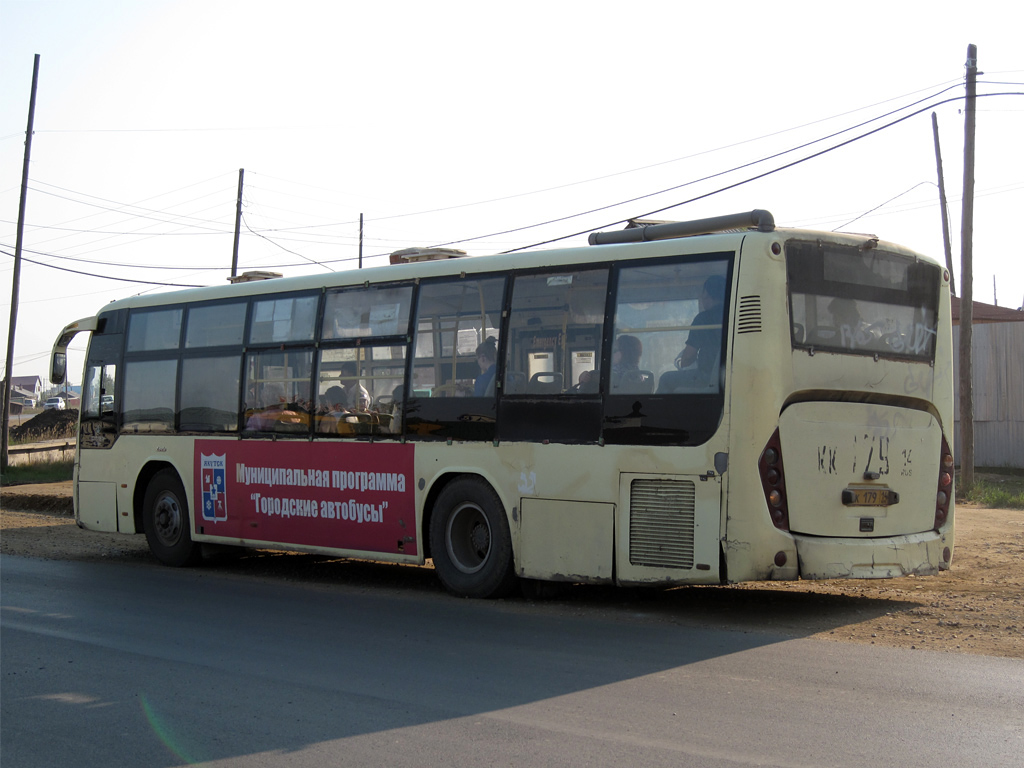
(340, 495)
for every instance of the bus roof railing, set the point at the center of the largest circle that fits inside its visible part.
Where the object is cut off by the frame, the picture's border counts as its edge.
(763, 221)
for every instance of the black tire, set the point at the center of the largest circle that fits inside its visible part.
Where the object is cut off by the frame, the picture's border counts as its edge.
(470, 540)
(166, 521)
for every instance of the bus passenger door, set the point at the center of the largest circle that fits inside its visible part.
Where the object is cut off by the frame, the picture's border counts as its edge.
(667, 529)
(95, 489)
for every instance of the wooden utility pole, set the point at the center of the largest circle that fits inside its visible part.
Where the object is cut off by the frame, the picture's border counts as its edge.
(16, 281)
(967, 279)
(238, 223)
(942, 205)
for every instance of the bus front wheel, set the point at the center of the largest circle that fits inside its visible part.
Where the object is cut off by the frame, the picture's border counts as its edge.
(470, 540)
(166, 521)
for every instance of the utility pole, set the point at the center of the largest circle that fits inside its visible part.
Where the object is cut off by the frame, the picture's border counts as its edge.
(360, 241)
(967, 278)
(16, 281)
(238, 223)
(942, 205)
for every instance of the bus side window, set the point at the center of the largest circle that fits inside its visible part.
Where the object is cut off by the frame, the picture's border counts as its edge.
(672, 315)
(454, 389)
(360, 390)
(555, 330)
(209, 393)
(149, 395)
(277, 391)
(457, 338)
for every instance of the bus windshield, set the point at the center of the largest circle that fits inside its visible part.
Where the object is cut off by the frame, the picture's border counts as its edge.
(862, 302)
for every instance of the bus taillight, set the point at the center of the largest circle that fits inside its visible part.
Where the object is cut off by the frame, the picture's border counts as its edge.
(773, 481)
(945, 491)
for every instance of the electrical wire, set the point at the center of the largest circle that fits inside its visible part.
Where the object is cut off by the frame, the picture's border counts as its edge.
(646, 167)
(102, 277)
(286, 250)
(872, 210)
(719, 190)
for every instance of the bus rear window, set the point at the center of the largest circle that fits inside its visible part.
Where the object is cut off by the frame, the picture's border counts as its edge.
(862, 302)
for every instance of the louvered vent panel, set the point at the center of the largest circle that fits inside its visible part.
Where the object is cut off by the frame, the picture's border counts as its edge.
(749, 318)
(661, 523)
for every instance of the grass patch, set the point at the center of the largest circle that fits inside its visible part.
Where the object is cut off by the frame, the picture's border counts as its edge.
(995, 488)
(53, 471)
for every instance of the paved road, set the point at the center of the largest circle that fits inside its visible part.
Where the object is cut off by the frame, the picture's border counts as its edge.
(138, 665)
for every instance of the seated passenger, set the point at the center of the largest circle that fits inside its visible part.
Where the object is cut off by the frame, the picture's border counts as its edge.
(271, 409)
(356, 396)
(703, 345)
(588, 382)
(626, 355)
(486, 357)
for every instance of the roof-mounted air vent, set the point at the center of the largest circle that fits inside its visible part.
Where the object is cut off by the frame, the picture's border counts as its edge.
(248, 277)
(760, 220)
(412, 255)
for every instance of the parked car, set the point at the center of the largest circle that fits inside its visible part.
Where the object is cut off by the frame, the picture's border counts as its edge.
(54, 404)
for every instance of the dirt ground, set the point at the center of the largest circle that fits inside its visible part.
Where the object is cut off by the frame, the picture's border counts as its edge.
(46, 425)
(976, 607)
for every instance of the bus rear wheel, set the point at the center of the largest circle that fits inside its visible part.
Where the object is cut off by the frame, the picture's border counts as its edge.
(470, 540)
(166, 521)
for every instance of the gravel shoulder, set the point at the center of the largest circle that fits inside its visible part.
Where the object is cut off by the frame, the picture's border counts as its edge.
(975, 607)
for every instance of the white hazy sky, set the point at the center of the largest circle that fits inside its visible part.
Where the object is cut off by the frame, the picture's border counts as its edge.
(472, 123)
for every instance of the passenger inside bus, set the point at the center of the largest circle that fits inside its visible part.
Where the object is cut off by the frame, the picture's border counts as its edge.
(587, 383)
(848, 329)
(271, 411)
(703, 344)
(486, 357)
(626, 373)
(356, 396)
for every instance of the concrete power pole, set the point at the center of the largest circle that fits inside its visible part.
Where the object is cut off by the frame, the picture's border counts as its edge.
(942, 205)
(967, 279)
(16, 281)
(238, 222)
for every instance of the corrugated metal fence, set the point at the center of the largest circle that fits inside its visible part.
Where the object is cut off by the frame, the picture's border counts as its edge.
(998, 373)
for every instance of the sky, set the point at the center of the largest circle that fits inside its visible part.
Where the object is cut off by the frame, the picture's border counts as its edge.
(479, 126)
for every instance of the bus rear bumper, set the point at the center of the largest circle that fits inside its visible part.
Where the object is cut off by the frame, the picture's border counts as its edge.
(919, 554)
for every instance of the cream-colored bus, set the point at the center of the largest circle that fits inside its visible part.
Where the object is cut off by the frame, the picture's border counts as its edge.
(701, 402)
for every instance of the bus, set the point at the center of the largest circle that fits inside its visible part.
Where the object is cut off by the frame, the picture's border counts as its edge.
(702, 402)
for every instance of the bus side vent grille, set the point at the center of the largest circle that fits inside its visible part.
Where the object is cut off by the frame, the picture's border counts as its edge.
(749, 320)
(661, 523)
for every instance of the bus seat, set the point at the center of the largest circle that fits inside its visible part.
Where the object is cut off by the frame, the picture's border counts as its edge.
(545, 383)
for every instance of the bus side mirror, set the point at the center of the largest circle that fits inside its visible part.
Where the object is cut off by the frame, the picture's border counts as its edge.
(58, 367)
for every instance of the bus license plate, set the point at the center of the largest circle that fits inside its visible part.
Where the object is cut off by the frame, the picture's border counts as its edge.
(870, 497)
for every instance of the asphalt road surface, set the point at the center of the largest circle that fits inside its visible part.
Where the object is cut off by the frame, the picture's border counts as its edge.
(108, 664)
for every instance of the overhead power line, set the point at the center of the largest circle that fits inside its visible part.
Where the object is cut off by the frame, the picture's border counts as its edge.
(102, 277)
(715, 175)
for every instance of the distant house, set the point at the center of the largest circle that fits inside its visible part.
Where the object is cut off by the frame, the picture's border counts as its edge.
(32, 385)
(997, 373)
(23, 397)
